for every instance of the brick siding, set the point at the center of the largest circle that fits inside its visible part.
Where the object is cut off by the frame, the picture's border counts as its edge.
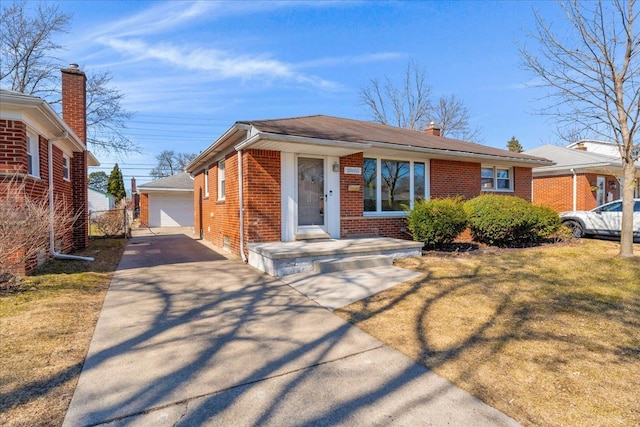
(556, 192)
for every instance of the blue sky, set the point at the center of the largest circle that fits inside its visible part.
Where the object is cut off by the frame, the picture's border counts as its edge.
(189, 70)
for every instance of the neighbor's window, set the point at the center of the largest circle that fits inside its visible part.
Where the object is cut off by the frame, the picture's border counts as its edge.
(33, 155)
(221, 181)
(65, 167)
(206, 182)
(497, 178)
(392, 185)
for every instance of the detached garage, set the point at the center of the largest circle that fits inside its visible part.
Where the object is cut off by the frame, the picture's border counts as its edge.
(167, 202)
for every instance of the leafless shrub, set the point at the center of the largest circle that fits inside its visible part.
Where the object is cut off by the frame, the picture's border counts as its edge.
(108, 224)
(25, 221)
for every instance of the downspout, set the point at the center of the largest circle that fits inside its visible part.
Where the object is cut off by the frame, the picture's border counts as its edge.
(575, 190)
(241, 201)
(55, 254)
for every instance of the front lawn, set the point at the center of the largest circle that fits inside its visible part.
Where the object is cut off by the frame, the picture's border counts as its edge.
(548, 335)
(45, 331)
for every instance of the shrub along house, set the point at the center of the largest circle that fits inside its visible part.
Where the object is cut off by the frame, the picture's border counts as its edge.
(49, 155)
(303, 178)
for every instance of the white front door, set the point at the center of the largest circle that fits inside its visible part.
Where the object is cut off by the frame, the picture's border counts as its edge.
(311, 196)
(600, 192)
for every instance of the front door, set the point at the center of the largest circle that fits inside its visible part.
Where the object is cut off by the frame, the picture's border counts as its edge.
(311, 196)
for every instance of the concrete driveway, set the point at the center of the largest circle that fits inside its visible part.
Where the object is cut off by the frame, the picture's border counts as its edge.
(188, 337)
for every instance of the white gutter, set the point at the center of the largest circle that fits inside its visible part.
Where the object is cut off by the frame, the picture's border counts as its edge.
(301, 139)
(439, 152)
(55, 254)
(241, 197)
(575, 190)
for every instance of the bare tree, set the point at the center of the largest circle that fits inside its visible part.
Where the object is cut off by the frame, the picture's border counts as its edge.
(409, 105)
(406, 106)
(27, 49)
(171, 163)
(29, 64)
(106, 118)
(594, 79)
(452, 117)
(25, 224)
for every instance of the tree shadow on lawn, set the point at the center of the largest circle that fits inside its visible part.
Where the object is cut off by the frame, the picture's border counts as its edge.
(464, 322)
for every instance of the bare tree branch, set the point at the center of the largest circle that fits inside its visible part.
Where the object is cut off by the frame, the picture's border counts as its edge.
(29, 64)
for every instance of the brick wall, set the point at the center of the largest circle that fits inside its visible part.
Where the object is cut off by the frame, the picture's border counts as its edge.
(453, 178)
(556, 192)
(262, 196)
(80, 197)
(13, 146)
(220, 218)
(144, 209)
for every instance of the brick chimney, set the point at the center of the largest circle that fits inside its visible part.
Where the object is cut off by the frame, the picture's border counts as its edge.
(74, 100)
(134, 189)
(432, 129)
(74, 113)
(580, 146)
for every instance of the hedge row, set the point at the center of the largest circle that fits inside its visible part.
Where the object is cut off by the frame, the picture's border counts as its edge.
(491, 219)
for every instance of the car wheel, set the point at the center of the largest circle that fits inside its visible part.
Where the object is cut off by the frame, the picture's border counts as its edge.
(575, 227)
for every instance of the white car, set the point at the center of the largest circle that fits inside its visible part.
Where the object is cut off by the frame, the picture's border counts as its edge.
(605, 220)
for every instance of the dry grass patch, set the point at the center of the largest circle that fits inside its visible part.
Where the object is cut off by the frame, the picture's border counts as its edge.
(548, 335)
(45, 331)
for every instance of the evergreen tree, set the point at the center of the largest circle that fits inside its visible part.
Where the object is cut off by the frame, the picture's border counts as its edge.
(115, 187)
(514, 145)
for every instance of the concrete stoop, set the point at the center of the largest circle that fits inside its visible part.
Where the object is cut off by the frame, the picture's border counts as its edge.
(284, 258)
(332, 265)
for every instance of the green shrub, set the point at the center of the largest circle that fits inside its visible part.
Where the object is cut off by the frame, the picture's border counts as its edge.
(509, 221)
(436, 222)
(547, 223)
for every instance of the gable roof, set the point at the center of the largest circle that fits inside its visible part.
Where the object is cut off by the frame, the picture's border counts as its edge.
(345, 136)
(566, 159)
(179, 182)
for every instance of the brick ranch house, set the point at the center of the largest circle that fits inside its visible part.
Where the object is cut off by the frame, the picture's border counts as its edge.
(49, 153)
(328, 177)
(579, 179)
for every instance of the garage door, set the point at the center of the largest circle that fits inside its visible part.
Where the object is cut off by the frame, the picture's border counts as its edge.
(171, 210)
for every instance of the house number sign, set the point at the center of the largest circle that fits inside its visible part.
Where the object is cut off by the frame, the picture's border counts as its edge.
(352, 170)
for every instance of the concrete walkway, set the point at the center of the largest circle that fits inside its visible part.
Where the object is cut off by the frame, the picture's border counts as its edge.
(187, 337)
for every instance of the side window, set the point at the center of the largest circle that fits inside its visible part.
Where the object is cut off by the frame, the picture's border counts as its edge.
(221, 181)
(66, 161)
(33, 155)
(636, 206)
(206, 182)
(613, 207)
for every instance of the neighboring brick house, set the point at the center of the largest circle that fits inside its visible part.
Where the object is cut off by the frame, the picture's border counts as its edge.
(49, 153)
(579, 179)
(320, 176)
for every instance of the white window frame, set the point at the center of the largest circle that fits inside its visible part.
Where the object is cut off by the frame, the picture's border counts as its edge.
(379, 212)
(222, 187)
(496, 178)
(33, 153)
(66, 167)
(206, 181)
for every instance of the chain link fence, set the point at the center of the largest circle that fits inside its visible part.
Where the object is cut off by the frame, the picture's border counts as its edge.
(111, 223)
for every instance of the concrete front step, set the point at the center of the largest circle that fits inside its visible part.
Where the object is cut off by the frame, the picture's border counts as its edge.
(352, 263)
(284, 258)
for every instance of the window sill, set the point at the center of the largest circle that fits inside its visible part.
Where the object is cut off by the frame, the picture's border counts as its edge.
(386, 214)
(491, 190)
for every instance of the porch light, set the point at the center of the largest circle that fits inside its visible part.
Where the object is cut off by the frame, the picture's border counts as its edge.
(336, 167)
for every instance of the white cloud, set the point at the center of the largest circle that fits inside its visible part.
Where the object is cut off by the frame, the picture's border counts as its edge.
(219, 64)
